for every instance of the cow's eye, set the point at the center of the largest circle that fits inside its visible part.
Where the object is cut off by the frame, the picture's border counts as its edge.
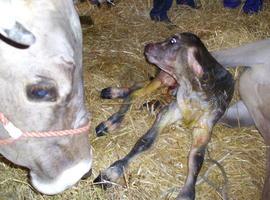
(41, 91)
(173, 40)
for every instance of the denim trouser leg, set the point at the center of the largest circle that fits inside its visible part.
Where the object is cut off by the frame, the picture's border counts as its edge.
(253, 6)
(231, 3)
(160, 9)
(190, 3)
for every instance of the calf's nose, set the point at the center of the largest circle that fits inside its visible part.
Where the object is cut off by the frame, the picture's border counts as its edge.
(149, 47)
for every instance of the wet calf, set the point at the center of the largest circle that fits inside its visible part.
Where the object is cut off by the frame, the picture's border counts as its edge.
(129, 95)
(205, 91)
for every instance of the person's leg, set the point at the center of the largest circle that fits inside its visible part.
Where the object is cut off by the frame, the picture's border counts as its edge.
(191, 3)
(160, 9)
(252, 6)
(231, 3)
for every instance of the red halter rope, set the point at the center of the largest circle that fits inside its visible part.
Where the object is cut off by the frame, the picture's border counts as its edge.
(17, 134)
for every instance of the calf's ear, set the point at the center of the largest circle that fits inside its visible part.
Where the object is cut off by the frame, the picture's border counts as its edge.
(193, 63)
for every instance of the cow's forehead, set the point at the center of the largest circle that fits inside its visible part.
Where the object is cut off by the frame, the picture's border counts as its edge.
(52, 28)
(40, 14)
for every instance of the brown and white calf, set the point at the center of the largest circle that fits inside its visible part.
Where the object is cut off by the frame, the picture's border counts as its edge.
(204, 92)
(41, 91)
(253, 87)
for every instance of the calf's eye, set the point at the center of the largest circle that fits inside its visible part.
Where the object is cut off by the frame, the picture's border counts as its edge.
(173, 40)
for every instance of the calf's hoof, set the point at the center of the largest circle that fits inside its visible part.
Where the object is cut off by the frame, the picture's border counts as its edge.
(103, 181)
(186, 194)
(110, 175)
(106, 93)
(115, 93)
(101, 129)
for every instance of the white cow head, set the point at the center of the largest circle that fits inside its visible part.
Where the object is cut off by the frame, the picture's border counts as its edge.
(41, 89)
(11, 29)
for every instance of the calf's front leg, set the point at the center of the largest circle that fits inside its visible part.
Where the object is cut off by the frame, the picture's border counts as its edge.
(201, 137)
(167, 115)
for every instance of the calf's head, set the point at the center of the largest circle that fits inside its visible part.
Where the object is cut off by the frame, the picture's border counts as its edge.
(42, 90)
(180, 55)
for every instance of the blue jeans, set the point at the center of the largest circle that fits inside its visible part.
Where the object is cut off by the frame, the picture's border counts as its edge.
(231, 3)
(160, 9)
(250, 6)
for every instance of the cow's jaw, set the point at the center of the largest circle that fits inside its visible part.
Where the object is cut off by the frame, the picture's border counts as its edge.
(65, 180)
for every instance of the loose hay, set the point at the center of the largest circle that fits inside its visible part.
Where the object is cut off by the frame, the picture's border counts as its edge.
(113, 56)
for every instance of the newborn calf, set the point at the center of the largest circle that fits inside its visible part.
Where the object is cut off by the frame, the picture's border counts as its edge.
(205, 91)
(129, 95)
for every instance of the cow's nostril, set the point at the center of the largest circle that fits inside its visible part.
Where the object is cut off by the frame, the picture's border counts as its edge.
(87, 175)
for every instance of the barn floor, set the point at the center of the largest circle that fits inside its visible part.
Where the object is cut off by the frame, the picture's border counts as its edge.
(113, 56)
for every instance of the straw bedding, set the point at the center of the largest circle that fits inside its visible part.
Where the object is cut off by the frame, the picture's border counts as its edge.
(113, 56)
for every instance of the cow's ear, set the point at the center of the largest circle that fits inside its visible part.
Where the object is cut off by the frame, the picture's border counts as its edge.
(193, 63)
(11, 30)
(17, 34)
(14, 33)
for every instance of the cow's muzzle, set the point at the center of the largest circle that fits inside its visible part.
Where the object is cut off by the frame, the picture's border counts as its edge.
(65, 180)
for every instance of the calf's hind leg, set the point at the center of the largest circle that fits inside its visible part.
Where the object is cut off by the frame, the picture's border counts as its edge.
(129, 95)
(167, 115)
